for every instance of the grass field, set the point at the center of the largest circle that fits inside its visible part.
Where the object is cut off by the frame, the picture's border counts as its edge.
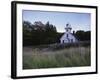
(68, 57)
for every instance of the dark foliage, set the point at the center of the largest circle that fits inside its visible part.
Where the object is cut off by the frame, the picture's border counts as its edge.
(83, 35)
(39, 33)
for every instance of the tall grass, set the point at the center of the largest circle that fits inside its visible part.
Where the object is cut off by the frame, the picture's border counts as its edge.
(67, 57)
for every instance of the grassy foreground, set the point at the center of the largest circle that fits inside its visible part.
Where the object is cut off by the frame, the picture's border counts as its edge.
(67, 57)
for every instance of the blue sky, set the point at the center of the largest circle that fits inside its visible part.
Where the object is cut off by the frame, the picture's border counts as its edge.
(78, 21)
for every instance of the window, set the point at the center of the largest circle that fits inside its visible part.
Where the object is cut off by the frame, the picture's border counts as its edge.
(71, 40)
(67, 30)
(67, 35)
(63, 41)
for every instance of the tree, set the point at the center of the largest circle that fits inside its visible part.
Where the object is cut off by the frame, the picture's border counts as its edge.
(27, 37)
(83, 35)
(87, 35)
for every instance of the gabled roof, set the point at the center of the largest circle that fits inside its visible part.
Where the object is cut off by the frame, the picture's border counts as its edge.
(71, 34)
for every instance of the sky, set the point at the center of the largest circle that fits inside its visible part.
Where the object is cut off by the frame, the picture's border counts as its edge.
(78, 21)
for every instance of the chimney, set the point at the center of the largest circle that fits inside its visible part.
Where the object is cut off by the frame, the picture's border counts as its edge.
(73, 32)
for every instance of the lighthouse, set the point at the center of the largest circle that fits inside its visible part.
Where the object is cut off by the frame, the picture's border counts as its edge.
(68, 37)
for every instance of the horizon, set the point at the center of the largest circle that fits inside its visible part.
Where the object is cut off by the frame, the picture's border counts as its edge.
(78, 21)
(61, 32)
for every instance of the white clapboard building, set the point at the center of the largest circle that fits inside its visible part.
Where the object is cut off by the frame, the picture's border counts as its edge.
(68, 37)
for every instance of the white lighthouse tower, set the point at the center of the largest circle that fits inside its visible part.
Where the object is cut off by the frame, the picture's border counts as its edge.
(68, 37)
(68, 28)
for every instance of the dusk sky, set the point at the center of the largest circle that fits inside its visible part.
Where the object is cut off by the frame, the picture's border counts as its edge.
(78, 21)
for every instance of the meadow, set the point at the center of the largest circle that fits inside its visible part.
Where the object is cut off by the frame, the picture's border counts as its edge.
(37, 57)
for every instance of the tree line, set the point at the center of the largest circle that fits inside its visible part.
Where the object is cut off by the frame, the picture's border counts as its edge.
(39, 33)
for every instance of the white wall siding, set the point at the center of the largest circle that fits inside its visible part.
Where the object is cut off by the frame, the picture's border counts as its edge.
(68, 39)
